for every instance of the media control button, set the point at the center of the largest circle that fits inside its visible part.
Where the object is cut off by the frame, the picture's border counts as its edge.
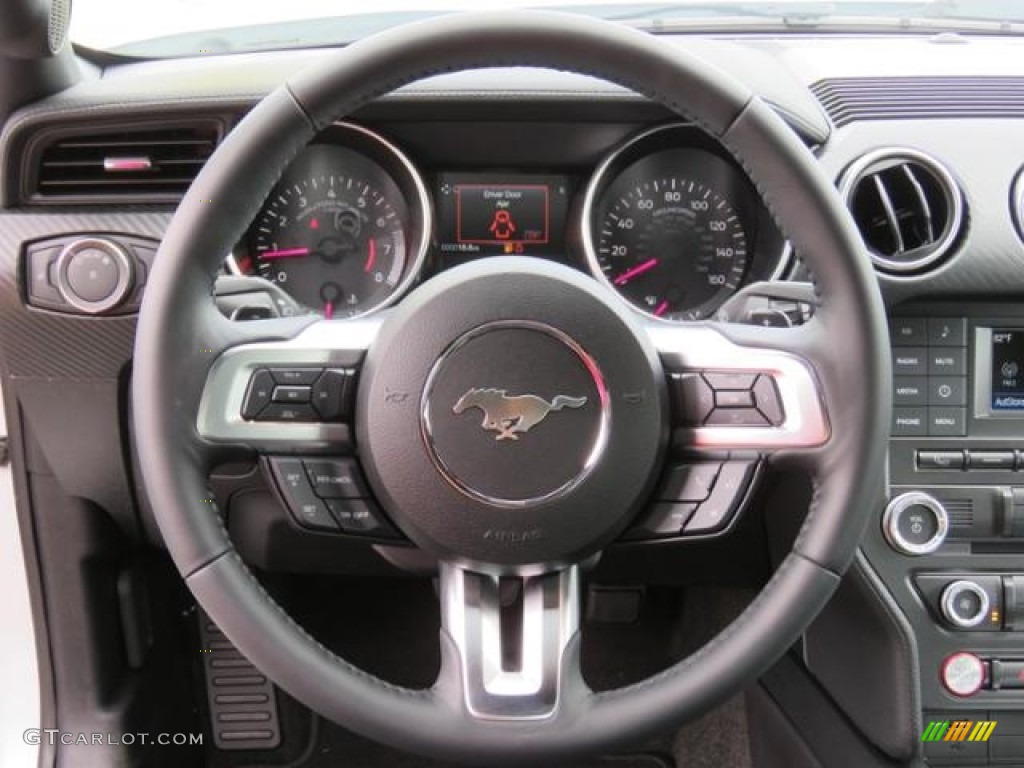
(296, 376)
(909, 422)
(910, 390)
(947, 362)
(947, 331)
(662, 519)
(689, 482)
(947, 390)
(910, 361)
(947, 422)
(940, 459)
(726, 495)
(693, 398)
(908, 331)
(915, 524)
(767, 398)
(287, 394)
(258, 396)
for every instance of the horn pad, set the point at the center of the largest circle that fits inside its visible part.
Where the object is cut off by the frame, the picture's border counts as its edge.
(511, 412)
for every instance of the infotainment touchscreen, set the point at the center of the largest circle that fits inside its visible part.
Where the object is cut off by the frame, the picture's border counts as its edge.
(1007, 369)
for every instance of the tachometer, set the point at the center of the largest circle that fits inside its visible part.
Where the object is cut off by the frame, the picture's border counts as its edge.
(672, 246)
(346, 229)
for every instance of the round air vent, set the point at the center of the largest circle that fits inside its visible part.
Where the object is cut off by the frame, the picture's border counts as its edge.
(1017, 202)
(907, 206)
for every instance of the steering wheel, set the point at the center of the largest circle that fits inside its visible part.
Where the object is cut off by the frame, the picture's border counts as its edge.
(522, 507)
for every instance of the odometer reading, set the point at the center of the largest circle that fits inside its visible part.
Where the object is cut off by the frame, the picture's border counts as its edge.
(672, 246)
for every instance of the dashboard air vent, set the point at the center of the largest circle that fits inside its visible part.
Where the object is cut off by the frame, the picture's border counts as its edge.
(907, 206)
(140, 164)
(896, 98)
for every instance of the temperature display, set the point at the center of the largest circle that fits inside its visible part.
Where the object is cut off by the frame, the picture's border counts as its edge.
(1008, 370)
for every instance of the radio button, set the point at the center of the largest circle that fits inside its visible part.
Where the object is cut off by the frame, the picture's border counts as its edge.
(990, 459)
(947, 331)
(940, 459)
(948, 422)
(910, 361)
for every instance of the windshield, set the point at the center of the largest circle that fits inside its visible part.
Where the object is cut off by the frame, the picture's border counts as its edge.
(199, 27)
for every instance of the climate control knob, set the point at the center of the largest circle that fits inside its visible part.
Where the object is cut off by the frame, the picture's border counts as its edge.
(964, 604)
(94, 275)
(915, 523)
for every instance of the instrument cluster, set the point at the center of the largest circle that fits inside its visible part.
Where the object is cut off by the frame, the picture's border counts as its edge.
(667, 220)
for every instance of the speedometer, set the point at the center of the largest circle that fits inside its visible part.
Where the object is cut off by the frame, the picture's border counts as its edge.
(672, 246)
(672, 224)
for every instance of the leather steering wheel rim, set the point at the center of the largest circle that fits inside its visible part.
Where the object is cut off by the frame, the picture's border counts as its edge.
(181, 333)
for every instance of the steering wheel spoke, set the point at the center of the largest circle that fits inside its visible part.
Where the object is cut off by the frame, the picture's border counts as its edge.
(512, 639)
(743, 388)
(285, 395)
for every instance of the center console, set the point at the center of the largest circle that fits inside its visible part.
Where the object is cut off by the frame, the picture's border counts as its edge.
(949, 546)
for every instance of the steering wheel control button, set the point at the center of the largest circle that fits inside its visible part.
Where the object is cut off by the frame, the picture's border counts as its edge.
(766, 398)
(915, 523)
(693, 399)
(308, 510)
(736, 417)
(357, 516)
(729, 490)
(689, 482)
(296, 376)
(965, 604)
(487, 403)
(940, 460)
(336, 479)
(94, 275)
(332, 394)
(963, 674)
(285, 412)
(662, 520)
(728, 398)
(258, 395)
(289, 394)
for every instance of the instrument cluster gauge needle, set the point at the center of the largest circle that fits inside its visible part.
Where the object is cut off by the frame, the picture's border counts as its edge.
(286, 253)
(636, 271)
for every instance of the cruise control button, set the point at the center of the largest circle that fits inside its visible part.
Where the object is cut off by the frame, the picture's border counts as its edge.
(258, 396)
(357, 516)
(736, 417)
(662, 519)
(296, 376)
(730, 380)
(331, 394)
(689, 482)
(287, 413)
(336, 479)
(693, 398)
(287, 394)
(298, 494)
(766, 396)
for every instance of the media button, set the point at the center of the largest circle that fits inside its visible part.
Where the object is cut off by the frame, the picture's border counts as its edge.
(910, 390)
(947, 331)
(910, 361)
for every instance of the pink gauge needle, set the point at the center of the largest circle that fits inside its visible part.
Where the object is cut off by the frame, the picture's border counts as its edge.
(287, 253)
(639, 269)
(372, 257)
(661, 309)
(328, 310)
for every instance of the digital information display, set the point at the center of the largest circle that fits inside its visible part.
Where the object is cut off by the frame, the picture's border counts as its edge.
(1008, 370)
(483, 214)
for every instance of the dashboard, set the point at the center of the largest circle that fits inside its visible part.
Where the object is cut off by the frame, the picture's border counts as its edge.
(928, 626)
(666, 220)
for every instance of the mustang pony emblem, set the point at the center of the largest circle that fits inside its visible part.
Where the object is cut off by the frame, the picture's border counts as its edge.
(510, 415)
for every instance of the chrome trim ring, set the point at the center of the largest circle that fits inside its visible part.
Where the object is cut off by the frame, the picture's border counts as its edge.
(125, 275)
(950, 610)
(423, 203)
(954, 196)
(891, 519)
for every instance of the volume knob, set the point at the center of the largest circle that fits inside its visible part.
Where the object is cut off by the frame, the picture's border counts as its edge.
(915, 523)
